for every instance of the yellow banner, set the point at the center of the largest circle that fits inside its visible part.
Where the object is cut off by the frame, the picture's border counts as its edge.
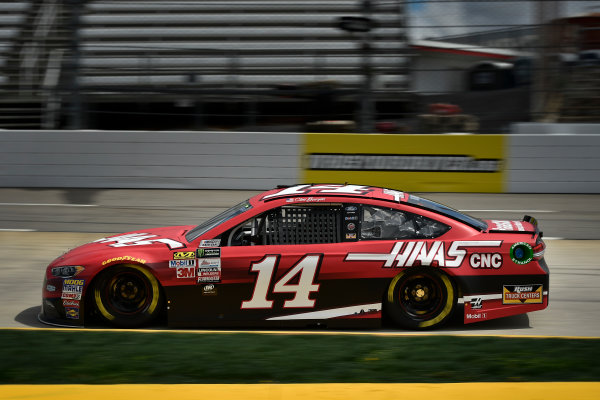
(417, 163)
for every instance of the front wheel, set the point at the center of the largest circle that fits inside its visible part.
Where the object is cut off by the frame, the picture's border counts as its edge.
(421, 298)
(127, 296)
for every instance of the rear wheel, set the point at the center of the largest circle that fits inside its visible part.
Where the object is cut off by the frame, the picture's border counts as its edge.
(421, 298)
(127, 296)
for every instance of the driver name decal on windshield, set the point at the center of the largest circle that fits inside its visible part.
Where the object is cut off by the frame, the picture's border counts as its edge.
(139, 239)
(408, 254)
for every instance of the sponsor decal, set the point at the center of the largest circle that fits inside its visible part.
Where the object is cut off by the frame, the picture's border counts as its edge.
(485, 260)
(476, 303)
(51, 288)
(350, 235)
(409, 254)
(139, 239)
(209, 289)
(476, 316)
(72, 289)
(71, 303)
(522, 294)
(72, 312)
(521, 253)
(401, 162)
(183, 255)
(320, 189)
(209, 274)
(351, 209)
(351, 226)
(209, 252)
(124, 258)
(209, 270)
(351, 218)
(210, 243)
(186, 271)
(182, 263)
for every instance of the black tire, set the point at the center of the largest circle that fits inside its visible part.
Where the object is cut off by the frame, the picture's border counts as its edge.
(127, 296)
(421, 298)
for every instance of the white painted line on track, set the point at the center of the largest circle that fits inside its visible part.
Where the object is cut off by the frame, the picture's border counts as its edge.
(48, 205)
(16, 230)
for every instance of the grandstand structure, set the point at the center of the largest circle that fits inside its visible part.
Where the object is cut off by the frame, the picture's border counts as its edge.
(179, 63)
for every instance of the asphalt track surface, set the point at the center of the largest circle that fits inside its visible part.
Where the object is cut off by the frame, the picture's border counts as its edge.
(37, 225)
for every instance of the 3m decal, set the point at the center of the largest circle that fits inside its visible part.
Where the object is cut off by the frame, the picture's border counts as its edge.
(320, 189)
(209, 252)
(306, 269)
(522, 294)
(186, 271)
(409, 254)
(210, 243)
(182, 263)
(485, 260)
(184, 255)
(139, 239)
(124, 258)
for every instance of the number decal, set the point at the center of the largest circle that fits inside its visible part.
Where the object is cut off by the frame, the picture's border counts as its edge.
(307, 269)
(265, 269)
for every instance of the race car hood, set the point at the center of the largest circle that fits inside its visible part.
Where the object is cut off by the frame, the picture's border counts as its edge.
(495, 225)
(167, 238)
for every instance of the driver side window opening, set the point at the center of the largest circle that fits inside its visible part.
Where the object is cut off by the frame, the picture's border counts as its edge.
(298, 224)
(380, 223)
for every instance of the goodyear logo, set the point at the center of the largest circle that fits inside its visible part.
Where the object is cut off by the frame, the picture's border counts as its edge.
(184, 255)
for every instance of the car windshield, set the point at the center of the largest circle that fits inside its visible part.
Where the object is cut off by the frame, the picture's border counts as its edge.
(218, 219)
(447, 211)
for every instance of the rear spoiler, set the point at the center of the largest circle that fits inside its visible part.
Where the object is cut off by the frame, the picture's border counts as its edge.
(534, 222)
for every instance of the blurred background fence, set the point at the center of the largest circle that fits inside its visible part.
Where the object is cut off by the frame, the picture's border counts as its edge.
(389, 66)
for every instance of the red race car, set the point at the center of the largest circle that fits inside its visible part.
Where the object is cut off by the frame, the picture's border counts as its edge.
(307, 255)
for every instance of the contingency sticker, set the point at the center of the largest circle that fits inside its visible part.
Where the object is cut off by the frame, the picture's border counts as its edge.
(210, 243)
(522, 294)
(209, 270)
(72, 289)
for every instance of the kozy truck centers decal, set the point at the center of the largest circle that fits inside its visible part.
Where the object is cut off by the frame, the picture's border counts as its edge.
(408, 254)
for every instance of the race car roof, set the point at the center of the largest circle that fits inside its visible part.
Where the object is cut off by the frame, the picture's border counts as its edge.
(320, 190)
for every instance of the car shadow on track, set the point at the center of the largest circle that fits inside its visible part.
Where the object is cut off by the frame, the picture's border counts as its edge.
(28, 318)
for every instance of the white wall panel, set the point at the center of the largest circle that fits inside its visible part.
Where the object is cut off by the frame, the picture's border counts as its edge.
(111, 159)
(555, 158)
